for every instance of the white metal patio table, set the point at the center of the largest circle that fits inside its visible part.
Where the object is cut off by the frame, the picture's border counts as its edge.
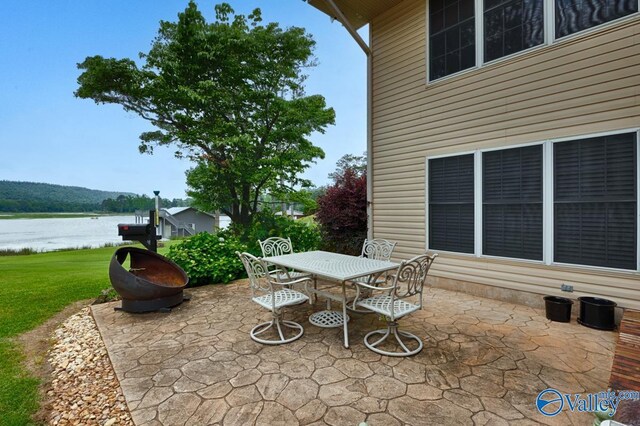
(334, 267)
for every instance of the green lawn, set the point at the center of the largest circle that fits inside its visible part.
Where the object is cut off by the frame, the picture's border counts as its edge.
(34, 288)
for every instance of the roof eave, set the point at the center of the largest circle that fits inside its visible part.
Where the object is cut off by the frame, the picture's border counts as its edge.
(358, 12)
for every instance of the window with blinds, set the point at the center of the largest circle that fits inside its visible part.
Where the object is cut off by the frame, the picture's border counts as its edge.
(595, 201)
(512, 202)
(451, 204)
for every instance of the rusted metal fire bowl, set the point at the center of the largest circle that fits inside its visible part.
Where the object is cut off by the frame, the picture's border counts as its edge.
(151, 283)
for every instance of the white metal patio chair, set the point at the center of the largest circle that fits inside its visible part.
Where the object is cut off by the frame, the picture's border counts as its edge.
(278, 246)
(402, 297)
(378, 249)
(273, 295)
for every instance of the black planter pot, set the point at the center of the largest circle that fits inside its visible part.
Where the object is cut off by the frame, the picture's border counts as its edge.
(597, 313)
(558, 308)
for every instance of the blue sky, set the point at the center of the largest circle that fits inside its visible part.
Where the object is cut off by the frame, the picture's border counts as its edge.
(47, 135)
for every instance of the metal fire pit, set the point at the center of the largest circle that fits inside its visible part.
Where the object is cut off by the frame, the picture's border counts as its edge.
(152, 283)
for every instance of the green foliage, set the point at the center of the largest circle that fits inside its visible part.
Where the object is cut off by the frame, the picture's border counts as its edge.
(12, 190)
(229, 95)
(304, 236)
(131, 203)
(305, 199)
(355, 163)
(209, 258)
(17, 252)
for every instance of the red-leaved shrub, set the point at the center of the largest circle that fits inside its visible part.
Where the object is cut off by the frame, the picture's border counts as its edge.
(342, 214)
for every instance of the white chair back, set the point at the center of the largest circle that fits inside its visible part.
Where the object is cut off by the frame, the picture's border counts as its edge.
(257, 272)
(378, 249)
(276, 246)
(411, 277)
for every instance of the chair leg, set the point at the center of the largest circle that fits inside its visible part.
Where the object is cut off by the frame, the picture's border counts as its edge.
(392, 329)
(278, 323)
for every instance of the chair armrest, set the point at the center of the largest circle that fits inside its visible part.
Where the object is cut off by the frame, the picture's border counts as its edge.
(279, 274)
(373, 287)
(299, 280)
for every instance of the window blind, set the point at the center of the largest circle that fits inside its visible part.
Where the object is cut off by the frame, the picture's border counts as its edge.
(451, 208)
(595, 201)
(512, 202)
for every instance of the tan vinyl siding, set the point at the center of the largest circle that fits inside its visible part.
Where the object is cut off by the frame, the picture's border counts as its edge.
(585, 84)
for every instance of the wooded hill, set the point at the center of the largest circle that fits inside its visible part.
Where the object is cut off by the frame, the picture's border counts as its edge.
(45, 197)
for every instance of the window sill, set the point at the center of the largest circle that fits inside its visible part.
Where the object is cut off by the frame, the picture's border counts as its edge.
(536, 264)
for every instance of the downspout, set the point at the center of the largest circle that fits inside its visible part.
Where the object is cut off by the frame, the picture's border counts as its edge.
(367, 50)
(369, 142)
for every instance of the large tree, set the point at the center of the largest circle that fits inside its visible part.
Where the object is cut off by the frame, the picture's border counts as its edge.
(229, 95)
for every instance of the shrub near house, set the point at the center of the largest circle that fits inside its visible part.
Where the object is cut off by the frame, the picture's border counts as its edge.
(212, 259)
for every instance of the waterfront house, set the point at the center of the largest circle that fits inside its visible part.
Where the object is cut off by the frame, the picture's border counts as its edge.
(186, 221)
(503, 134)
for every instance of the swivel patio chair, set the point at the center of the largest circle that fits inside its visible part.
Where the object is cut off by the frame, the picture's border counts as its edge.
(273, 295)
(278, 246)
(402, 297)
(378, 249)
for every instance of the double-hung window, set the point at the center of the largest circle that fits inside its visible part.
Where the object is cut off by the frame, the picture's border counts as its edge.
(465, 34)
(494, 202)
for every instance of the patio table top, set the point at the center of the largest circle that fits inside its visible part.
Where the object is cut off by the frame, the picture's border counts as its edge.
(335, 266)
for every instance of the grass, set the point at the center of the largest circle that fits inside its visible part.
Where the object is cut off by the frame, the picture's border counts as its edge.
(34, 288)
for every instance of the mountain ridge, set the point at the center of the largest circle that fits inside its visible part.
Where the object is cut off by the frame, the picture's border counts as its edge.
(40, 191)
(18, 196)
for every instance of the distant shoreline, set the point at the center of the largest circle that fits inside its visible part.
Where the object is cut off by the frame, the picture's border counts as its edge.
(65, 215)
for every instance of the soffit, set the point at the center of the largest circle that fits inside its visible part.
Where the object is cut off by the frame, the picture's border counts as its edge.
(358, 12)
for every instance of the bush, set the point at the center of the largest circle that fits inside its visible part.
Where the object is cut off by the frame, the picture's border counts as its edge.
(342, 214)
(209, 258)
(304, 236)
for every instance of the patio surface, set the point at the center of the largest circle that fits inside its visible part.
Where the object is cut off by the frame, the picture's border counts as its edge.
(484, 362)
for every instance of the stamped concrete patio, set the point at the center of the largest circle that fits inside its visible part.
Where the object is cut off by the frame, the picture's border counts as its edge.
(484, 362)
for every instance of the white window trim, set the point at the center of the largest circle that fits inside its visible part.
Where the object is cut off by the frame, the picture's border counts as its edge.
(549, 37)
(477, 203)
(547, 202)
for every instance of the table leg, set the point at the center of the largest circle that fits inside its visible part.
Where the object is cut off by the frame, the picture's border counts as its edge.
(344, 315)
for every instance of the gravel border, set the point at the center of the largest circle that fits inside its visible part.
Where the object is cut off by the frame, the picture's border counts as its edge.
(84, 388)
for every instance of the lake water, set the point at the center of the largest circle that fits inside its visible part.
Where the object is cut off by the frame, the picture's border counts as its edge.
(59, 233)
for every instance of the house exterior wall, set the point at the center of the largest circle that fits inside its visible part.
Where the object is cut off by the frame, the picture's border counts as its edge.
(203, 222)
(586, 84)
